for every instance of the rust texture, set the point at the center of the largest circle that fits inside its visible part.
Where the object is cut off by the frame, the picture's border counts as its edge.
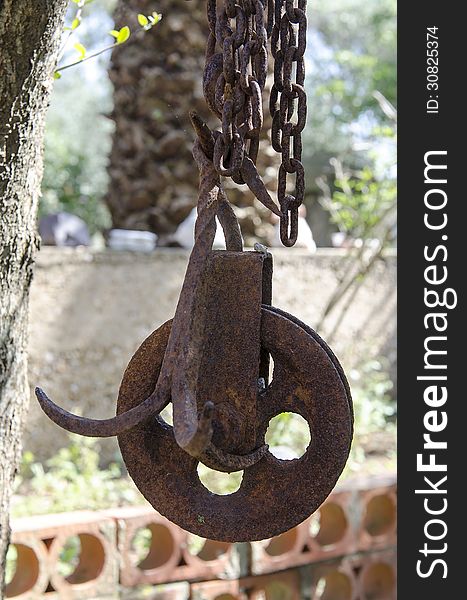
(233, 83)
(212, 360)
(275, 495)
(229, 346)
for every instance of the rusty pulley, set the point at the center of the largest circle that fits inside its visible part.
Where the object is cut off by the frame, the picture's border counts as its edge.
(221, 411)
(212, 360)
(275, 495)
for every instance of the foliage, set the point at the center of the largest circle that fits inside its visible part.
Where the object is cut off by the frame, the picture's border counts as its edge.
(350, 155)
(78, 132)
(72, 480)
(374, 406)
(120, 36)
(375, 413)
(361, 203)
(362, 36)
(351, 54)
(358, 203)
(288, 430)
(77, 143)
(10, 567)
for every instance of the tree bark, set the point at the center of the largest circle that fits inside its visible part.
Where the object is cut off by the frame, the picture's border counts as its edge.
(157, 80)
(30, 32)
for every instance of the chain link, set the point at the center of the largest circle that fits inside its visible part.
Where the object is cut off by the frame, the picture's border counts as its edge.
(234, 81)
(287, 106)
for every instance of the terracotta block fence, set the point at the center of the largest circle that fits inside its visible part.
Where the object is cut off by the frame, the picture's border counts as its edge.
(345, 551)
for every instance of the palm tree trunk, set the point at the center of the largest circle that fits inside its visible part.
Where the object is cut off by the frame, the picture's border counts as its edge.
(157, 81)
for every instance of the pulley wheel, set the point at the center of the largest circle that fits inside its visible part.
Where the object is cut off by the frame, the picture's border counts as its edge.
(275, 495)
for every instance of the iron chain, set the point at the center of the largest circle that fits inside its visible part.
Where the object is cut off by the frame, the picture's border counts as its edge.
(287, 105)
(234, 81)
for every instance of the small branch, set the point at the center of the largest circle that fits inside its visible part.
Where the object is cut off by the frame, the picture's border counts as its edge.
(388, 109)
(78, 16)
(348, 276)
(133, 38)
(81, 60)
(358, 280)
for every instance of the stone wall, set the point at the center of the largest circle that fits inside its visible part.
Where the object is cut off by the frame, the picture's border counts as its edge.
(90, 311)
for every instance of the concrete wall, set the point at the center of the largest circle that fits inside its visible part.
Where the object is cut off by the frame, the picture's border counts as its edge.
(90, 311)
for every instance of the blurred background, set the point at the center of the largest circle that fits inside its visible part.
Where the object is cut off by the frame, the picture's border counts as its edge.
(118, 143)
(118, 157)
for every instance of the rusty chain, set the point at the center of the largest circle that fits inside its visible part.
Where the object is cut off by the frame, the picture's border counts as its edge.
(234, 81)
(288, 98)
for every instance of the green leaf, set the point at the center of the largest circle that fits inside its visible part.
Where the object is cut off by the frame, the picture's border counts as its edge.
(57, 75)
(81, 50)
(76, 23)
(114, 33)
(142, 20)
(155, 18)
(123, 34)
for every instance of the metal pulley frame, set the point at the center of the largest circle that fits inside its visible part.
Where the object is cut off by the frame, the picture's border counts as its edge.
(212, 360)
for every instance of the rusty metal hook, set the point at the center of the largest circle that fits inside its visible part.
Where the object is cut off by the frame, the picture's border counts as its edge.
(100, 427)
(192, 433)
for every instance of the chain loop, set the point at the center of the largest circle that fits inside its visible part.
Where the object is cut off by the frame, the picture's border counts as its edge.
(287, 102)
(235, 77)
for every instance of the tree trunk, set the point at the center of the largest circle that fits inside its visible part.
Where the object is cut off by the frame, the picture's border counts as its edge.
(157, 81)
(30, 34)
